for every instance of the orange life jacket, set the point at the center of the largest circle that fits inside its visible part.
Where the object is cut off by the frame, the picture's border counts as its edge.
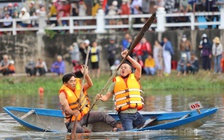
(127, 94)
(76, 100)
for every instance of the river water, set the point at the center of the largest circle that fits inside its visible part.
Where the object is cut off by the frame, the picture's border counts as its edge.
(154, 101)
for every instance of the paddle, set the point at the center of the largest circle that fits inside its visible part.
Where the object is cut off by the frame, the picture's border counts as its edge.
(135, 42)
(81, 92)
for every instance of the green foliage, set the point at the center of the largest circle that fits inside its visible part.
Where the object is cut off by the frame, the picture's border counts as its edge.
(51, 84)
(50, 33)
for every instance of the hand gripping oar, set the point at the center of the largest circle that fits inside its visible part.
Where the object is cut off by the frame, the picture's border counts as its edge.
(81, 92)
(135, 42)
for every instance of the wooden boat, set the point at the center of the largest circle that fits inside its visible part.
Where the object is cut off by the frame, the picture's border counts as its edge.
(51, 120)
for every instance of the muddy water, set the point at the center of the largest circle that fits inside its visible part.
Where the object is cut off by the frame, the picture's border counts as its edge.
(154, 101)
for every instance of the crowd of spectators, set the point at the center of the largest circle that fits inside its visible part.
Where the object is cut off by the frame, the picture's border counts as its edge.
(143, 52)
(66, 8)
(14, 10)
(155, 59)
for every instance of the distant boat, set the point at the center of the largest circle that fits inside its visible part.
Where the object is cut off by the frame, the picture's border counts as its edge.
(50, 120)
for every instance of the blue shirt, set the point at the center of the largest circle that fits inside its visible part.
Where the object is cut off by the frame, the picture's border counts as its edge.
(60, 69)
(125, 44)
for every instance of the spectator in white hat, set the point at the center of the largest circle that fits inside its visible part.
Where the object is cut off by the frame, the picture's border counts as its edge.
(24, 15)
(185, 46)
(32, 10)
(83, 50)
(206, 53)
(182, 64)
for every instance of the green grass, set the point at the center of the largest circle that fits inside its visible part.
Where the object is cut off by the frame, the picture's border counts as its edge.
(51, 84)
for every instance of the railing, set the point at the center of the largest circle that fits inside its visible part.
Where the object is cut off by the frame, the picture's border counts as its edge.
(101, 21)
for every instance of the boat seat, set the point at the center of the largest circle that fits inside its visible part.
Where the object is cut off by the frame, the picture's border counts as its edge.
(27, 114)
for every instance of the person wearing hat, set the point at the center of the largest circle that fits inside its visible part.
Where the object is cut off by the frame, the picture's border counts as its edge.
(185, 46)
(32, 8)
(10, 8)
(24, 16)
(217, 50)
(83, 49)
(206, 52)
(182, 64)
(126, 90)
(15, 11)
(11, 67)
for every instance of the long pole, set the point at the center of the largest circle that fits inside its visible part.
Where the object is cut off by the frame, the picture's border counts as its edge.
(81, 92)
(135, 42)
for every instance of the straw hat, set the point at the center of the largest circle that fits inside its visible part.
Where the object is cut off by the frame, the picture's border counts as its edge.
(216, 40)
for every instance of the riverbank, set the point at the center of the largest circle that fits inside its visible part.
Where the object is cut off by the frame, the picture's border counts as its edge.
(51, 83)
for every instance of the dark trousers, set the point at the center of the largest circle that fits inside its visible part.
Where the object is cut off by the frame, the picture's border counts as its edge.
(206, 63)
(93, 118)
(192, 69)
(30, 71)
(210, 19)
(41, 71)
(111, 62)
(5, 71)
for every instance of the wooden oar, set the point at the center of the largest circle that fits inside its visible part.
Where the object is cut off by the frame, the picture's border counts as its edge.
(81, 92)
(135, 42)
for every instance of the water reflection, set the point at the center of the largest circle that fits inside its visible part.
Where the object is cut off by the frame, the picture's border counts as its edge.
(41, 102)
(154, 101)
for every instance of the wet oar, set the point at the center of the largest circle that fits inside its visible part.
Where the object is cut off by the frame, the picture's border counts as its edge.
(81, 92)
(135, 42)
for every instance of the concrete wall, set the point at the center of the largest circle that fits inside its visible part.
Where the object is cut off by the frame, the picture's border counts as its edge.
(26, 46)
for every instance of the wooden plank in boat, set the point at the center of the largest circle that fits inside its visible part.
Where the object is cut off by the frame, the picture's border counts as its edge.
(185, 116)
(27, 114)
(149, 121)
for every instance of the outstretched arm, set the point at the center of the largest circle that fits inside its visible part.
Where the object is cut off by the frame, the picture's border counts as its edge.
(106, 96)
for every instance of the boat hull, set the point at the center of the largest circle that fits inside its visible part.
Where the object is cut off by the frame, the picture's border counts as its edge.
(50, 120)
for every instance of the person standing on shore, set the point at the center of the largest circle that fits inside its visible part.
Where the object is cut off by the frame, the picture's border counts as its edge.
(158, 57)
(206, 52)
(167, 55)
(185, 47)
(95, 59)
(217, 50)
